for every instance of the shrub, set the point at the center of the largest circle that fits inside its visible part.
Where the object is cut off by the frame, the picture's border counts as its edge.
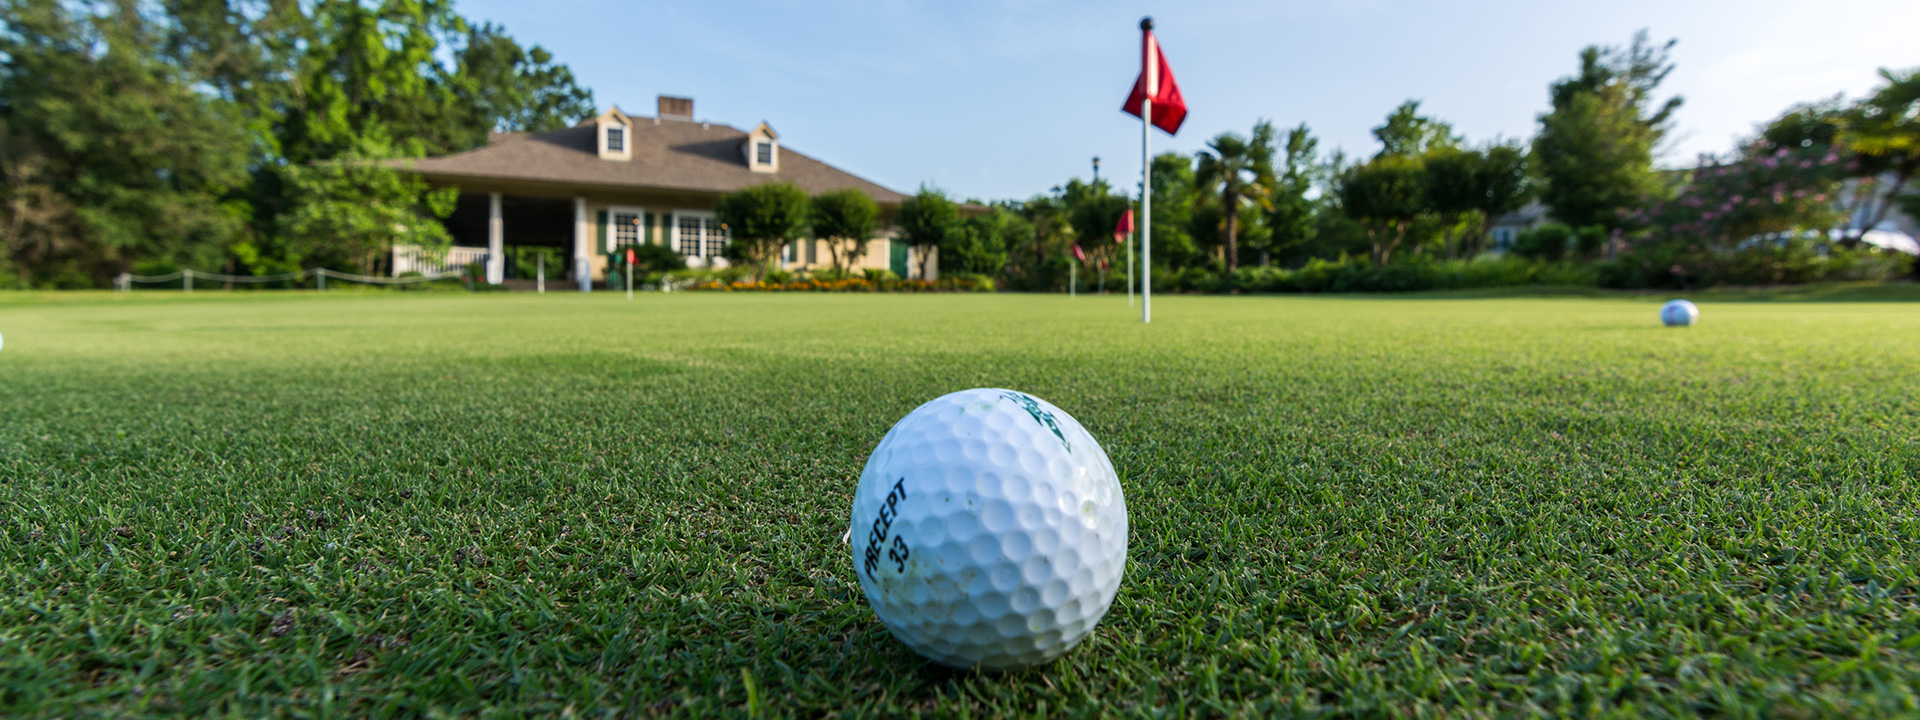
(655, 258)
(1589, 240)
(958, 283)
(1780, 261)
(878, 275)
(1358, 275)
(1549, 241)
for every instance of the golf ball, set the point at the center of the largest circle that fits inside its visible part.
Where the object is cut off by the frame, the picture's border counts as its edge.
(989, 530)
(1679, 312)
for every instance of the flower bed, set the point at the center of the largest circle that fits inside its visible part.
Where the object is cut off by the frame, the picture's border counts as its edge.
(966, 283)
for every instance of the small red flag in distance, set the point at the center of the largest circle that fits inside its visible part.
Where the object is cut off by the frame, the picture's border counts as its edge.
(1156, 80)
(629, 256)
(1077, 254)
(1124, 228)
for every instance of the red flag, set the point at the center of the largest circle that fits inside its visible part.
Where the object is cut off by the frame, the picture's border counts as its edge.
(1125, 228)
(1077, 254)
(629, 256)
(1156, 81)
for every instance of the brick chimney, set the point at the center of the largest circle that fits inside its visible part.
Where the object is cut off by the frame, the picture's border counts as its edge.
(676, 108)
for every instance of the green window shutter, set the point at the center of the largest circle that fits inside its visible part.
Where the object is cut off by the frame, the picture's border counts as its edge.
(600, 237)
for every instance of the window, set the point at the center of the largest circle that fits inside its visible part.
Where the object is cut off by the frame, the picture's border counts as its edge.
(625, 228)
(698, 236)
(716, 238)
(763, 152)
(616, 139)
(692, 231)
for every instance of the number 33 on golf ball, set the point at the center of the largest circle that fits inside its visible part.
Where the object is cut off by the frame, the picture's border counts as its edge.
(989, 530)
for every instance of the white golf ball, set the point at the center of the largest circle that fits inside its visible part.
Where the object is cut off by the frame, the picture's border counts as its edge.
(989, 530)
(1678, 312)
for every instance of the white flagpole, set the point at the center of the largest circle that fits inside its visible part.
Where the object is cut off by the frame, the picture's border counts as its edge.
(1146, 170)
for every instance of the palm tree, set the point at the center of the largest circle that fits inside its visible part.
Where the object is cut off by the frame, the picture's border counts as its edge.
(1236, 172)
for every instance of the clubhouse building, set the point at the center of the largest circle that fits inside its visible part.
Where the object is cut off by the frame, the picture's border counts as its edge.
(617, 180)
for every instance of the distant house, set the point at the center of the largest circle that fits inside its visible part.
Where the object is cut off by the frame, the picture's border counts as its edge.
(1506, 229)
(618, 180)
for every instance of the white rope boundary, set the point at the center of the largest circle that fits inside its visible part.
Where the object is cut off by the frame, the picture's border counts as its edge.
(126, 280)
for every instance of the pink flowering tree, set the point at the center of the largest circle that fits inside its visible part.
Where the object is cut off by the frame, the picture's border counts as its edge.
(1765, 190)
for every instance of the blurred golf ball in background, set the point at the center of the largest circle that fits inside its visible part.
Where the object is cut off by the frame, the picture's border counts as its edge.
(1678, 312)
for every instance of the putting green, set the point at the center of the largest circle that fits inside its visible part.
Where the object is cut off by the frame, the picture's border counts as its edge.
(400, 504)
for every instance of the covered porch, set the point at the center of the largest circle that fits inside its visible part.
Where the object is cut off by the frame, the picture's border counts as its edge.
(517, 236)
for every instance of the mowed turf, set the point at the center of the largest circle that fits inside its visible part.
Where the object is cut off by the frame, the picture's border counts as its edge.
(503, 505)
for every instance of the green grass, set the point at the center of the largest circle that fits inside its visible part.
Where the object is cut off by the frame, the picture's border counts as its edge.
(503, 505)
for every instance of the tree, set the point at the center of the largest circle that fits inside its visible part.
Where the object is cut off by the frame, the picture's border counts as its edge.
(351, 212)
(501, 86)
(1174, 197)
(110, 155)
(1385, 195)
(1595, 147)
(1452, 189)
(1035, 264)
(761, 219)
(846, 219)
(1290, 218)
(1883, 132)
(1407, 132)
(1762, 190)
(1233, 173)
(1506, 184)
(986, 241)
(928, 221)
(181, 131)
(1471, 188)
(1093, 211)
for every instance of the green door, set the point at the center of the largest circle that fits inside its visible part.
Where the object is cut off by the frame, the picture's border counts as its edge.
(899, 259)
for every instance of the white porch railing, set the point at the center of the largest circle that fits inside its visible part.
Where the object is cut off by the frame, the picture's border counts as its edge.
(412, 258)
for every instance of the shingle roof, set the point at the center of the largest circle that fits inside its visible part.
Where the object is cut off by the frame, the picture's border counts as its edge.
(667, 155)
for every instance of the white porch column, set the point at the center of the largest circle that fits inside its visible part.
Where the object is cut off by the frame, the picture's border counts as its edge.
(582, 257)
(496, 243)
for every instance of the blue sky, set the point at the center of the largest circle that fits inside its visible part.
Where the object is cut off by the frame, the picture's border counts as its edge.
(1007, 99)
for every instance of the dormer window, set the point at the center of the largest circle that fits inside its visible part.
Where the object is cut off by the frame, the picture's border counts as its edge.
(612, 138)
(762, 149)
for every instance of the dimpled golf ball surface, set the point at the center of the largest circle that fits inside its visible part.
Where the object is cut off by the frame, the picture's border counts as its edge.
(989, 530)
(1678, 312)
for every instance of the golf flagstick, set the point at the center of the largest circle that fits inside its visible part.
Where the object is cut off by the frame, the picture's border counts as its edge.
(1155, 89)
(1123, 234)
(1146, 179)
